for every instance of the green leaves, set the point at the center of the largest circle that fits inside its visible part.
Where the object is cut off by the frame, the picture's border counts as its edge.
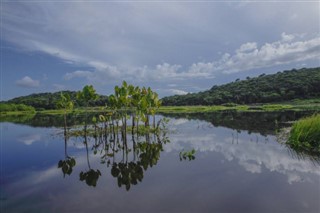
(87, 94)
(65, 102)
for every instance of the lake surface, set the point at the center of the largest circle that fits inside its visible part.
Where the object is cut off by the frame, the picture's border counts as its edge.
(239, 167)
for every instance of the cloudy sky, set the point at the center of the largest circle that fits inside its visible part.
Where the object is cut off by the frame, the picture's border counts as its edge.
(175, 47)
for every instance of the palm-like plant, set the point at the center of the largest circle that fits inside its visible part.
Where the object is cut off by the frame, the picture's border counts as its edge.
(87, 94)
(66, 104)
(141, 103)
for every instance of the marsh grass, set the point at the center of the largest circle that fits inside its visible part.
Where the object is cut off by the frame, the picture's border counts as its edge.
(305, 134)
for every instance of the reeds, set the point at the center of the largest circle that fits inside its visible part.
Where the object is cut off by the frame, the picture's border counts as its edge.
(305, 134)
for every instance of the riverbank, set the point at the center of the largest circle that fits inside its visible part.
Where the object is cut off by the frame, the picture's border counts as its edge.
(295, 105)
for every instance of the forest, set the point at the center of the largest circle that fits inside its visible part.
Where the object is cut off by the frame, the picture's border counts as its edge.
(282, 86)
(45, 101)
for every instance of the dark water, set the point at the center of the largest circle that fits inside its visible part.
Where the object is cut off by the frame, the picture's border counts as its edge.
(239, 167)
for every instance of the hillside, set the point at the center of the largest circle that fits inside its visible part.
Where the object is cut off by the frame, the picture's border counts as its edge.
(282, 86)
(48, 100)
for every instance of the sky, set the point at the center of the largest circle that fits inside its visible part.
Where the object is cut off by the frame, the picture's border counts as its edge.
(175, 47)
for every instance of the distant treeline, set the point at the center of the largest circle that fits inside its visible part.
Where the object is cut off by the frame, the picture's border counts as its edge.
(282, 86)
(43, 101)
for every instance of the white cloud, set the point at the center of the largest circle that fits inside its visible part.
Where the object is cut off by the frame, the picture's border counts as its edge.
(178, 92)
(285, 51)
(287, 37)
(78, 74)
(28, 82)
(29, 138)
(247, 47)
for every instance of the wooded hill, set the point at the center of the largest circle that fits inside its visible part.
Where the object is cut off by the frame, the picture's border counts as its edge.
(282, 86)
(49, 100)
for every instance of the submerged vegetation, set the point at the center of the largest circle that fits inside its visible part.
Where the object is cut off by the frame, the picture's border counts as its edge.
(305, 135)
(108, 130)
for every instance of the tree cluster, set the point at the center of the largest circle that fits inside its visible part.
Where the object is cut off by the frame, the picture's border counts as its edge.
(49, 100)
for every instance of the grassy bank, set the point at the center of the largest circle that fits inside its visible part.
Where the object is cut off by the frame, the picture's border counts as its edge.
(305, 134)
(295, 105)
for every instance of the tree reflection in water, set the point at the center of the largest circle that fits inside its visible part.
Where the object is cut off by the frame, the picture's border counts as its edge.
(68, 163)
(127, 159)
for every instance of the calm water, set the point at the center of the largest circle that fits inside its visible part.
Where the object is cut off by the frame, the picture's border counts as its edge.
(239, 167)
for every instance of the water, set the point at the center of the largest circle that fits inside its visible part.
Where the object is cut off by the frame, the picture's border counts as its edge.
(237, 168)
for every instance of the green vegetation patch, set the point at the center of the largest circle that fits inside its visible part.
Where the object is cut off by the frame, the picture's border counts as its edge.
(5, 107)
(305, 134)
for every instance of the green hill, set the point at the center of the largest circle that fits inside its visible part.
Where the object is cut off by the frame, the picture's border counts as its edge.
(49, 100)
(282, 86)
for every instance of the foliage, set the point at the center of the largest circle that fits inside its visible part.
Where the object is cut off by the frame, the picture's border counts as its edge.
(65, 102)
(46, 101)
(282, 86)
(87, 95)
(140, 102)
(305, 134)
(6, 107)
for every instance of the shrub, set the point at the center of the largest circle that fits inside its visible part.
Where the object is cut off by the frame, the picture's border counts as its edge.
(15, 107)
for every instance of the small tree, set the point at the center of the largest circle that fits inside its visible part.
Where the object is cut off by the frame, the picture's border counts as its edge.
(87, 94)
(66, 104)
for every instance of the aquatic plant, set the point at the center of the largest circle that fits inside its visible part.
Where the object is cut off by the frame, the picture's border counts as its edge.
(87, 94)
(184, 155)
(139, 102)
(305, 134)
(66, 104)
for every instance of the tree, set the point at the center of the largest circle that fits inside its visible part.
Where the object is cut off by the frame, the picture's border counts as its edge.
(87, 94)
(66, 104)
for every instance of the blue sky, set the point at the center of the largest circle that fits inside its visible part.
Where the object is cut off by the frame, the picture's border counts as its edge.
(174, 47)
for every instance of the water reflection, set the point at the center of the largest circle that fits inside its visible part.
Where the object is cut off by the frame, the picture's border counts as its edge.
(126, 159)
(248, 170)
(28, 138)
(253, 152)
(264, 123)
(68, 162)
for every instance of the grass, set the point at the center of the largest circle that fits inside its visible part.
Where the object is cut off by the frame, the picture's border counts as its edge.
(295, 105)
(17, 113)
(241, 108)
(305, 134)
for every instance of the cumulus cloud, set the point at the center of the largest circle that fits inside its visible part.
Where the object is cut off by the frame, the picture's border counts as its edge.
(27, 82)
(112, 41)
(285, 51)
(249, 56)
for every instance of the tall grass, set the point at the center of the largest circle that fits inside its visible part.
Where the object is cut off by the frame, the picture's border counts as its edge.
(305, 134)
